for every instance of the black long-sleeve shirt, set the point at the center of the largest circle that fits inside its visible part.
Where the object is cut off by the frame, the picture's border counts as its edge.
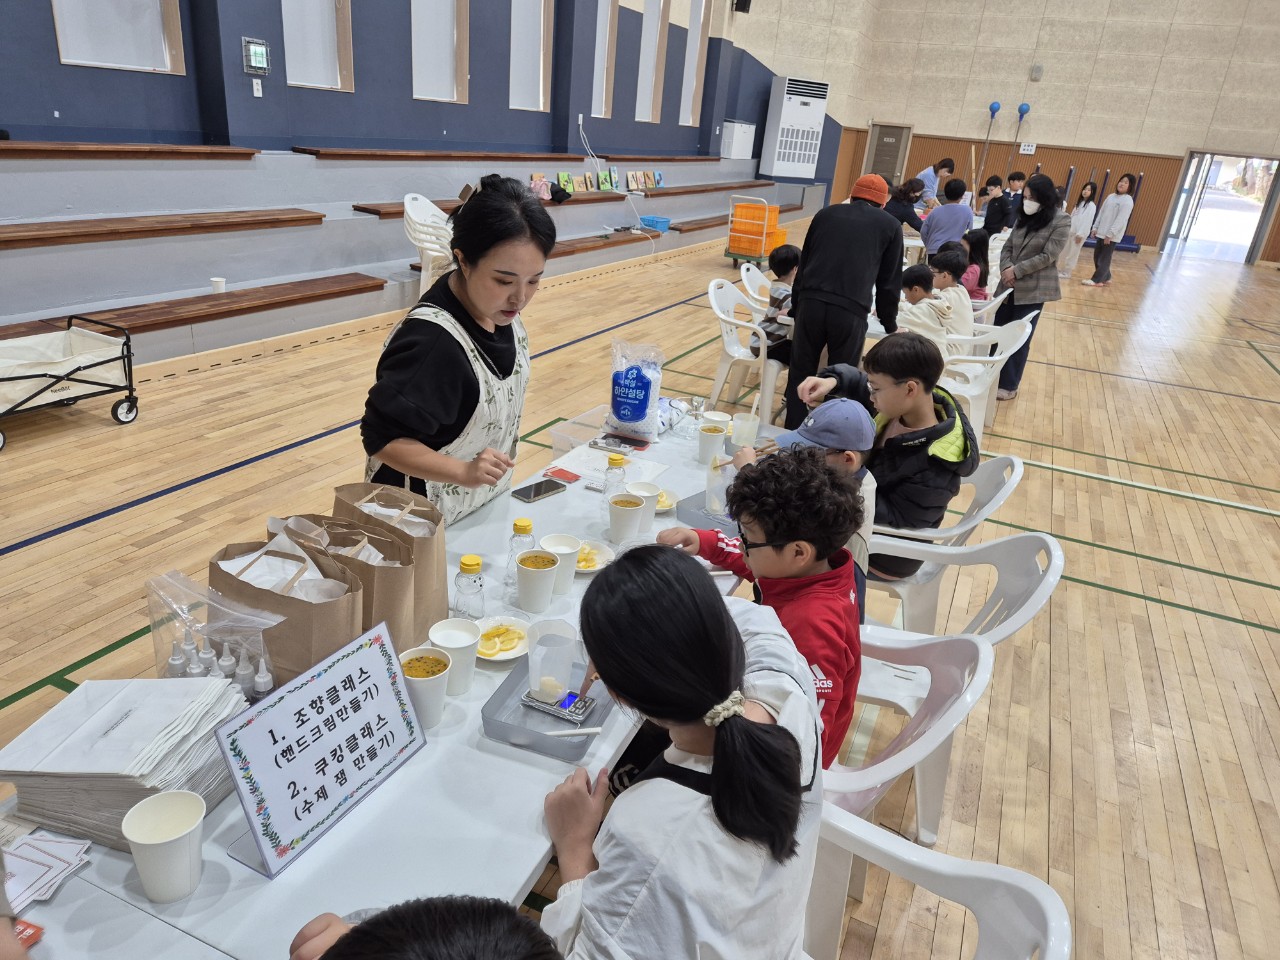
(425, 388)
(904, 213)
(850, 248)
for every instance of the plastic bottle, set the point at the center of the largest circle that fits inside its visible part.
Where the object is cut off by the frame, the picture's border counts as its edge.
(244, 673)
(177, 662)
(262, 682)
(615, 482)
(215, 672)
(227, 663)
(188, 643)
(468, 589)
(194, 667)
(521, 540)
(208, 659)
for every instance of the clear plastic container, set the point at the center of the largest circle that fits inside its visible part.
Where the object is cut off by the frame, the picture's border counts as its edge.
(505, 719)
(584, 428)
(468, 589)
(551, 661)
(521, 540)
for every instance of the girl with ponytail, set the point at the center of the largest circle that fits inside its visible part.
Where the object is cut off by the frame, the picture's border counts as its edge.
(711, 849)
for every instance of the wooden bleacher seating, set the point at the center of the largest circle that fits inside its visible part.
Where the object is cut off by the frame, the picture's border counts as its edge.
(395, 210)
(567, 248)
(50, 150)
(636, 158)
(693, 188)
(345, 153)
(164, 314)
(49, 233)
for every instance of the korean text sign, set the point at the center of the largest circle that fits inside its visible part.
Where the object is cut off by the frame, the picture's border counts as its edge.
(305, 755)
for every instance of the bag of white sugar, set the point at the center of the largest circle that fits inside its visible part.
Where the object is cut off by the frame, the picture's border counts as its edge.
(637, 380)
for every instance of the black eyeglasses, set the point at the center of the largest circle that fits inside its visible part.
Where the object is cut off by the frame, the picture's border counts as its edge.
(748, 545)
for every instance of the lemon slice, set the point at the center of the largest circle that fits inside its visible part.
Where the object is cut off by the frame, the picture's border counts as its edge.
(587, 558)
(510, 641)
(488, 647)
(664, 502)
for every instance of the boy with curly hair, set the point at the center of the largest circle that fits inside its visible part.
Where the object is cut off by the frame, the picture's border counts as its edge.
(795, 513)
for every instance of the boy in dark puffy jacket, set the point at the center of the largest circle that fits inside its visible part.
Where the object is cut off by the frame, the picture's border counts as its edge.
(924, 443)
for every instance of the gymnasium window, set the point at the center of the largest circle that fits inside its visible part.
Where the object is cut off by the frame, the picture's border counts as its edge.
(441, 49)
(695, 62)
(653, 60)
(530, 62)
(317, 44)
(606, 52)
(141, 35)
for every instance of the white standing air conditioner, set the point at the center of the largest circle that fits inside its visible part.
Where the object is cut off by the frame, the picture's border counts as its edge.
(793, 132)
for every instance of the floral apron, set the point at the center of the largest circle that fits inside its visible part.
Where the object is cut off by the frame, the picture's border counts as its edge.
(494, 423)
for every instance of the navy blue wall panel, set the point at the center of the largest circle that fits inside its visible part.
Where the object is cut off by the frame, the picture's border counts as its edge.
(93, 104)
(214, 102)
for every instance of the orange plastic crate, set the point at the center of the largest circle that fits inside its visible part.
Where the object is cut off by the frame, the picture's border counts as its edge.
(745, 215)
(750, 246)
(775, 239)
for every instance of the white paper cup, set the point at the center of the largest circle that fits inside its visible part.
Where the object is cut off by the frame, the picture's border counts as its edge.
(716, 418)
(649, 493)
(566, 550)
(534, 585)
(624, 520)
(164, 834)
(745, 428)
(711, 437)
(427, 693)
(460, 639)
(219, 284)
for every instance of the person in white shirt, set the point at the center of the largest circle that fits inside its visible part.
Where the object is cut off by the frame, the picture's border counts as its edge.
(1081, 225)
(948, 266)
(924, 312)
(710, 852)
(1113, 218)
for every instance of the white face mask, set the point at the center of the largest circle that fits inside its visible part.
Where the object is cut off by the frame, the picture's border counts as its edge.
(1031, 207)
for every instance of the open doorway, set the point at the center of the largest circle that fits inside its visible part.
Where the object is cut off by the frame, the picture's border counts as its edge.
(1219, 212)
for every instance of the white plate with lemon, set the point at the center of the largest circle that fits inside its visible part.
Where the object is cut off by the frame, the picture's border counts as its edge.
(594, 556)
(667, 501)
(502, 638)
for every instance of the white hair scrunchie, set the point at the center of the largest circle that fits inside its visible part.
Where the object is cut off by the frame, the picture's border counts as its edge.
(721, 712)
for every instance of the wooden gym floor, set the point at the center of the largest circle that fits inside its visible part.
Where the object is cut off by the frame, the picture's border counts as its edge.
(1127, 748)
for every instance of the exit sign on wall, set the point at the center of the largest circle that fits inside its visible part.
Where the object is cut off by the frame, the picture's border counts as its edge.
(1027, 148)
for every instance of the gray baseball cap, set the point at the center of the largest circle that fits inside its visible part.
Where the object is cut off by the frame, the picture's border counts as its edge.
(839, 424)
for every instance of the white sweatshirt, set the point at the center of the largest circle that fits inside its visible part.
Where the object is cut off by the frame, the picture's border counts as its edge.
(671, 882)
(1082, 219)
(1114, 217)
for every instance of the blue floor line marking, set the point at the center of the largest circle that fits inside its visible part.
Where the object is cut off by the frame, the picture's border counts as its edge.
(185, 484)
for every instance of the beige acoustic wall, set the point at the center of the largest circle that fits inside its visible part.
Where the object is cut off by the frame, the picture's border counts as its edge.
(1158, 76)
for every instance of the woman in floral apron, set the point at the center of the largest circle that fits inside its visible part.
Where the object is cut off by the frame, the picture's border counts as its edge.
(443, 416)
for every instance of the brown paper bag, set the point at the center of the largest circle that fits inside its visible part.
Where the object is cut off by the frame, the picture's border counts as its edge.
(387, 590)
(430, 566)
(310, 631)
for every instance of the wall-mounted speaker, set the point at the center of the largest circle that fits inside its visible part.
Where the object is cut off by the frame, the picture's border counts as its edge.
(1037, 73)
(741, 6)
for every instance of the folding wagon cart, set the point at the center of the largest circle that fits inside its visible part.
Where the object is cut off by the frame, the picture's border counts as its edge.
(753, 230)
(65, 366)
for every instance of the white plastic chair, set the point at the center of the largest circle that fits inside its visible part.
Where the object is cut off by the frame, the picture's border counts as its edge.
(993, 482)
(1019, 916)
(753, 281)
(974, 379)
(427, 228)
(1027, 567)
(988, 308)
(737, 357)
(959, 669)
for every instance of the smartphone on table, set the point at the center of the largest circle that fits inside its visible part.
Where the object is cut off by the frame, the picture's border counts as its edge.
(538, 490)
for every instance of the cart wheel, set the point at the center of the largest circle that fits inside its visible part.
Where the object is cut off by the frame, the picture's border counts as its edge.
(125, 411)
(69, 403)
(1, 441)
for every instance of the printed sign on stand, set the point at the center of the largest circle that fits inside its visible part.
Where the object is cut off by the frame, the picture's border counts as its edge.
(304, 756)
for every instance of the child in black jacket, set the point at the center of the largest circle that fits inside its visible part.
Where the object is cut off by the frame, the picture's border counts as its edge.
(924, 442)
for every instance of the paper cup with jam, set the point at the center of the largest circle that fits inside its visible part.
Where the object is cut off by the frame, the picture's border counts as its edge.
(535, 579)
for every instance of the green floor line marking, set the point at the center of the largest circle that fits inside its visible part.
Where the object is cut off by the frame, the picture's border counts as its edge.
(536, 901)
(681, 356)
(1135, 463)
(685, 373)
(1138, 556)
(59, 679)
(63, 684)
(1269, 361)
(536, 430)
(1181, 494)
(535, 443)
(1170, 603)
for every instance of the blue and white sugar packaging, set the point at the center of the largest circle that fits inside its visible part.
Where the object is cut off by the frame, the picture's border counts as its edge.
(637, 380)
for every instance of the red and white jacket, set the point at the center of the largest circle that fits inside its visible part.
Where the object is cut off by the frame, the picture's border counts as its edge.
(821, 614)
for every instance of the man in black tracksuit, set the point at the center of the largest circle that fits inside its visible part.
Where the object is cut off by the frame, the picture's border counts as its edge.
(849, 249)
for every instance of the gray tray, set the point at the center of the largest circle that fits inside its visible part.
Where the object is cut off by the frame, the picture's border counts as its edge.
(505, 719)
